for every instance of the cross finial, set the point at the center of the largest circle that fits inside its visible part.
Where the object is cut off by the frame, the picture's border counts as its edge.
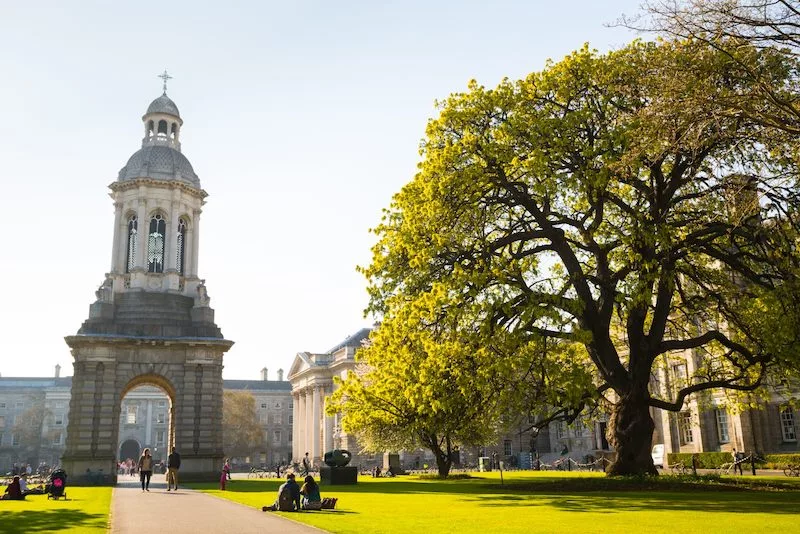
(165, 77)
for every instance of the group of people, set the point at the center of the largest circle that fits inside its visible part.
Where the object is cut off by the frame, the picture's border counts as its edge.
(292, 497)
(18, 488)
(145, 466)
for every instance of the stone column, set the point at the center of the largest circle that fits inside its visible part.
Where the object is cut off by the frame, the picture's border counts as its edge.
(172, 240)
(328, 426)
(295, 425)
(142, 227)
(301, 426)
(116, 264)
(316, 424)
(195, 244)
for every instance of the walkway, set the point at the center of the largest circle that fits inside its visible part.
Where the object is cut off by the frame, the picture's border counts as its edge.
(189, 512)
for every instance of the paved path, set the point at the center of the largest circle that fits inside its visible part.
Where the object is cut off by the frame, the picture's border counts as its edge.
(189, 512)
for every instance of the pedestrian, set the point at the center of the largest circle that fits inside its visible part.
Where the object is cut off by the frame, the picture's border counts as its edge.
(306, 465)
(225, 475)
(145, 466)
(173, 464)
(737, 461)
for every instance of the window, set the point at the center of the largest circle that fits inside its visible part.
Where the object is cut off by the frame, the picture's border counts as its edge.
(2, 405)
(264, 406)
(15, 440)
(685, 422)
(291, 419)
(1, 438)
(19, 405)
(155, 244)
(58, 419)
(57, 438)
(507, 447)
(277, 419)
(161, 418)
(561, 430)
(131, 416)
(291, 405)
(2, 421)
(160, 437)
(162, 404)
(787, 425)
(276, 436)
(181, 245)
(722, 426)
(132, 243)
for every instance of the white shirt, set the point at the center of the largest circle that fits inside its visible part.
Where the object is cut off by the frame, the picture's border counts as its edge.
(23, 485)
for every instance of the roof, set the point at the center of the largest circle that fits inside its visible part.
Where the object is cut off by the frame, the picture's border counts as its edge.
(161, 163)
(356, 340)
(261, 385)
(35, 382)
(163, 104)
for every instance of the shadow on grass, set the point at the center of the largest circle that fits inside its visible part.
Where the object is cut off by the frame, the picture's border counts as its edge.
(743, 502)
(17, 522)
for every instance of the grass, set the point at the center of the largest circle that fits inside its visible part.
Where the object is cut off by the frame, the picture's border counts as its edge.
(544, 502)
(87, 510)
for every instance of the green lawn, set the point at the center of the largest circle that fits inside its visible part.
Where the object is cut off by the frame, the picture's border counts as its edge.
(538, 502)
(86, 511)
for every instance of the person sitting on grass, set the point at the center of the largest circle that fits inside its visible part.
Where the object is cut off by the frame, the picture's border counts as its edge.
(310, 493)
(13, 491)
(288, 497)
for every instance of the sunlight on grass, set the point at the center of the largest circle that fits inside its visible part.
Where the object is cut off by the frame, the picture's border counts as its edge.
(86, 511)
(481, 505)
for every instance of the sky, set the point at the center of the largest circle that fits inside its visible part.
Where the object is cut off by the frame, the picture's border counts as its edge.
(301, 118)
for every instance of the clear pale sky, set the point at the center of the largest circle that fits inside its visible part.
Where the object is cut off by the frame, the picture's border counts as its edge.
(302, 119)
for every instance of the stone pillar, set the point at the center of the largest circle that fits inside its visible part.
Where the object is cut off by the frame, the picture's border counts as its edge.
(142, 228)
(195, 243)
(301, 425)
(328, 426)
(316, 424)
(117, 265)
(295, 426)
(172, 240)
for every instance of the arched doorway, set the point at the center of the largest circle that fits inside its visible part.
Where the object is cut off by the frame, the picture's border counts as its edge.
(130, 448)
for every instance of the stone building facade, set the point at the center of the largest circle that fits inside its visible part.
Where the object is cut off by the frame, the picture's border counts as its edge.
(143, 420)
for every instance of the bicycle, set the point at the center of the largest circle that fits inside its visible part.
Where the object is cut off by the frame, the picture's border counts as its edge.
(792, 471)
(258, 472)
(678, 468)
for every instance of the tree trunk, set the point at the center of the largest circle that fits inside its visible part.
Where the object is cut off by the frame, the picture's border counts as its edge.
(444, 459)
(630, 432)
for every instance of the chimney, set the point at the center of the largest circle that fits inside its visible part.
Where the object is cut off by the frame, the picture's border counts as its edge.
(264, 374)
(58, 370)
(280, 375)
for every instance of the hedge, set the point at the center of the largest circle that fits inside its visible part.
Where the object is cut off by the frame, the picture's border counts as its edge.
(713, 460)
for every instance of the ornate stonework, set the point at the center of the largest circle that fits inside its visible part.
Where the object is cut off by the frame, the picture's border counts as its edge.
(151, 323)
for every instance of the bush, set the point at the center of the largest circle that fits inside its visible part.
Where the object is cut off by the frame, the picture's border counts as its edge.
(451, 476)
(713, 460)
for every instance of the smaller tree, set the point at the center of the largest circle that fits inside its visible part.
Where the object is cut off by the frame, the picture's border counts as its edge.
(423, 383)
(28, 427)
(242, 433)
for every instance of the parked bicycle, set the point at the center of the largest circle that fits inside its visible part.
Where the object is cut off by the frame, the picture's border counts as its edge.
(678, 468)
(792, 471)
(259, 472)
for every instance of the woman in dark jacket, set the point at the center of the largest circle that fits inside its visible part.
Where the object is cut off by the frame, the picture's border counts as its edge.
(14, 491)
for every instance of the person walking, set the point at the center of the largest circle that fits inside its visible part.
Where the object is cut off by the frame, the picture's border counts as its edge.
(225, 475)
(738, 458)
(145, 466)
(173, 464)
(306, 465)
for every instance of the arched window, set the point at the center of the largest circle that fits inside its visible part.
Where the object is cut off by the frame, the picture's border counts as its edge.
(155, 244)
(132, 231)
(162, 127)
(173, 130)
(150, 127)
(181, 248)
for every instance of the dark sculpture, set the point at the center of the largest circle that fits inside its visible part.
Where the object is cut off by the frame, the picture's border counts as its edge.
(337, 458)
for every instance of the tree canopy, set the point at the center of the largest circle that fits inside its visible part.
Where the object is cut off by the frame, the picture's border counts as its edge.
(622, 211)
(242, 433)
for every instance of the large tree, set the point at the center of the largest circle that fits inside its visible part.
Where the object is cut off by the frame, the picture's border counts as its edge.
(610, 205)
(242, 433)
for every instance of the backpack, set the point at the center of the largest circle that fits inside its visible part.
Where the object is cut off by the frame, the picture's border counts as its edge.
(285, 500)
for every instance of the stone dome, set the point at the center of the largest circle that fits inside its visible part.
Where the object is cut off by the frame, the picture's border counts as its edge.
(160, 163)
(163, 104)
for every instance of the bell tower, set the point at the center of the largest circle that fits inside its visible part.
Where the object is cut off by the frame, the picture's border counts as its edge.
(152, 322)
